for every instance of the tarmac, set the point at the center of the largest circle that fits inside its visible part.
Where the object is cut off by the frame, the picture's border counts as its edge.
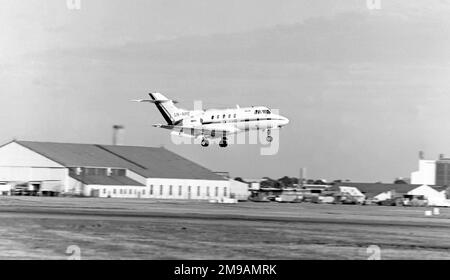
(44, 228)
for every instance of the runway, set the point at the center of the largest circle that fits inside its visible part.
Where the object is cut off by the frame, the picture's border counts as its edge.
(43, 228)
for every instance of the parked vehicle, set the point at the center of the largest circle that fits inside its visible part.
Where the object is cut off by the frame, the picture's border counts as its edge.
(258, 197)
(370, 202)
(289, 198)
(344, 198)
(415, 200)
(326, 199)
(310, 197)
(396, 201)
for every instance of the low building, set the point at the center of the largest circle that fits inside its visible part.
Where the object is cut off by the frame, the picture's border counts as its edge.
(434, 196)
(315, 188)
(265, 194)
(254, 184)
(352, 191)
(239, 190)
(107, 171)
(380, 191)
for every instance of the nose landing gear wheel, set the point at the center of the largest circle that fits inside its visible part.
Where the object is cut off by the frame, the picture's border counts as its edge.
(269, 138)
(205, 143)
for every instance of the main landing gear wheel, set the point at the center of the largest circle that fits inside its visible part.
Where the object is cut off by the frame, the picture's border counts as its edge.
(205, 143)
(223, 143)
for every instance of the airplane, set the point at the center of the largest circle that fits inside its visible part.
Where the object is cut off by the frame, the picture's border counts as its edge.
(214, 123)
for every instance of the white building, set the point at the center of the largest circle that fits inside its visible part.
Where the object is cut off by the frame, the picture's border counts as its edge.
(107, 171)
(434, 197)
(384, 195)
(254, 184)
(5, 189)
(353, 191)
(432, 172)
(239, 190)
(426, 175)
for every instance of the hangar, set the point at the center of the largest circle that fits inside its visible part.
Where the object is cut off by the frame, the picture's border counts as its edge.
(45, 168)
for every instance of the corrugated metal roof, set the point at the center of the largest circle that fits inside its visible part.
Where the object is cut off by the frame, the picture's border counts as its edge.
(147, 161)
(106, 180)
(69, 154)
(162, 163)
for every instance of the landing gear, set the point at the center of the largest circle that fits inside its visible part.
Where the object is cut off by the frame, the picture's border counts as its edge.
(269, 138)
(205, 143)
(223, 143)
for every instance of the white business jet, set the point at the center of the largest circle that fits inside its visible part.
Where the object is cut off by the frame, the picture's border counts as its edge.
(214, 123)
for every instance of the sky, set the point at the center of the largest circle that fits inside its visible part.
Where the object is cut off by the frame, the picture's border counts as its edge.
(364, 90)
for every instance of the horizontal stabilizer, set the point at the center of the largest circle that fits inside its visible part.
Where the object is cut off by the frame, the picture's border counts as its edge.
(162, 125)
(153, 101)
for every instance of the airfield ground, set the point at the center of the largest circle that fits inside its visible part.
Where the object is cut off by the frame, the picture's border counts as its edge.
(43, 228)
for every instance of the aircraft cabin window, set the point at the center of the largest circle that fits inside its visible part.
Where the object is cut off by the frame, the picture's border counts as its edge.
(218, 116)
(229, 116)
(235, 115)
(212, 117)
(224, 116)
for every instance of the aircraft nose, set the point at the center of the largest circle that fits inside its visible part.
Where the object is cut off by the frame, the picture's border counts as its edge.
(284, 121)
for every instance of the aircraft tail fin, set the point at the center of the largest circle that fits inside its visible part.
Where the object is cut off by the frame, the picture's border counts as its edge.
(166, 107)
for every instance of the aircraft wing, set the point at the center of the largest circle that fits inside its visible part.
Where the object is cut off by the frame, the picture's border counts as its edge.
(215, 131)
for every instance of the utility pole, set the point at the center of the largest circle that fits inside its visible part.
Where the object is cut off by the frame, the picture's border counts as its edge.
(302, 177)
